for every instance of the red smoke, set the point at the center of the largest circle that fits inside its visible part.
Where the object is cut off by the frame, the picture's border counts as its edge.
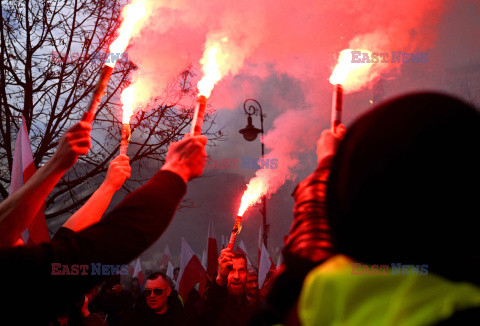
(301, 39)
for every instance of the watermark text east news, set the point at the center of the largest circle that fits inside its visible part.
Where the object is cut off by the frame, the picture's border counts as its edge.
(92, 269)
(392, 57)
(397, 269)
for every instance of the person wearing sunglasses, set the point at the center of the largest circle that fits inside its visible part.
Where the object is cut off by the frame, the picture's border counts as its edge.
(156, 293)
(159, 305)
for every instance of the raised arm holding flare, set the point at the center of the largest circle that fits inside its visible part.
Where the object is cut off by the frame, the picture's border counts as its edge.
(132, 226)
(91, 212)
(19, 209)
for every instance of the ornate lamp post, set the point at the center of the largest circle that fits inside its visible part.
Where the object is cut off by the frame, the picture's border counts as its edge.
(252, 107)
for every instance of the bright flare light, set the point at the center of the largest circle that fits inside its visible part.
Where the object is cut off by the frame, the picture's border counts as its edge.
(211, 69)
(255, 190)
(127, 98)
(348, 73)
(132, 14)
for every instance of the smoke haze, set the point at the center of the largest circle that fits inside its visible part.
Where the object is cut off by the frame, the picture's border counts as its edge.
(282, 54)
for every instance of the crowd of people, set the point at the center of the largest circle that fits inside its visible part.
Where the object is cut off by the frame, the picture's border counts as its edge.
(398, 188)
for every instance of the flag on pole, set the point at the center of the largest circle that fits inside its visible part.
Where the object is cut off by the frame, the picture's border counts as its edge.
(260, 243)
(212, 253)
(264, 266)
(276, 253)
(191, 272)
(280, 260)
(22, 170)
(138, 273)
(223, 242)
(241, 247)
(204, 259)
(170, 270)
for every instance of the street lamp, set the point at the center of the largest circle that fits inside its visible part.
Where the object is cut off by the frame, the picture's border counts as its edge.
(250, 134)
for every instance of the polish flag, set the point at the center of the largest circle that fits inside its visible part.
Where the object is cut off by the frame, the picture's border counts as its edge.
(23, 168)
(170, 270)
(273, 267)
(276, 253)
(241, 247)
(260, 243)
(264, 266)
(280, 260)
(166, 256)
(204, 259)
(191, 272)
(138, 273)
(212, 253)
(223, 242)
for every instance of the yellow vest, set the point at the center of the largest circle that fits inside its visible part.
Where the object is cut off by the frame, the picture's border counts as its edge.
(332, 296)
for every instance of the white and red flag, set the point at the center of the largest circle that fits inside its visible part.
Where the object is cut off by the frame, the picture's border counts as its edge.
(276, 252)
(191, 272)
(212, 253)
(204, 259)
(280, 260)
(22, 170)
(137, 272)
(170, 270)
(260, 243)
(264, 266)
(241, 247)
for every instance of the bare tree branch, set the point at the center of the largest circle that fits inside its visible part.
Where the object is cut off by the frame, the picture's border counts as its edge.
(48, 69)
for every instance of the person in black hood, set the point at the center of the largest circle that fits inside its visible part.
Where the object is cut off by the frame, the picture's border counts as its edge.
(404, 186)
(402, 191)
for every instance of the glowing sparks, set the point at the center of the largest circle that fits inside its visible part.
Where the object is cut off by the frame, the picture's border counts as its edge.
(255, 190)
(127, 98)
(132, 14)
(350, 74)
(211, 60)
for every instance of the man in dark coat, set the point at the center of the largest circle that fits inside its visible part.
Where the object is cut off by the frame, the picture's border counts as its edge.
(159, 305)
(226, 300)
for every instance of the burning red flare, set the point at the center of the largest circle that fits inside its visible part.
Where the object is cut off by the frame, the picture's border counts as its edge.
(132, 14)
(127, 98)
(210, 61)
(256, 188)
(350, 75)
(212, 75)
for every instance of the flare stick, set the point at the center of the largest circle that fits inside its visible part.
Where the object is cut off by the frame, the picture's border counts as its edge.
(197, 122)
(98, 92)
(126, 132)
(337, 103)
(237, 227)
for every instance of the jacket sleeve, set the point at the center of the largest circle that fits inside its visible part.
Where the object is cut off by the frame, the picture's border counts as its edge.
(307, 245)
(122, 235)
(309, 237)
